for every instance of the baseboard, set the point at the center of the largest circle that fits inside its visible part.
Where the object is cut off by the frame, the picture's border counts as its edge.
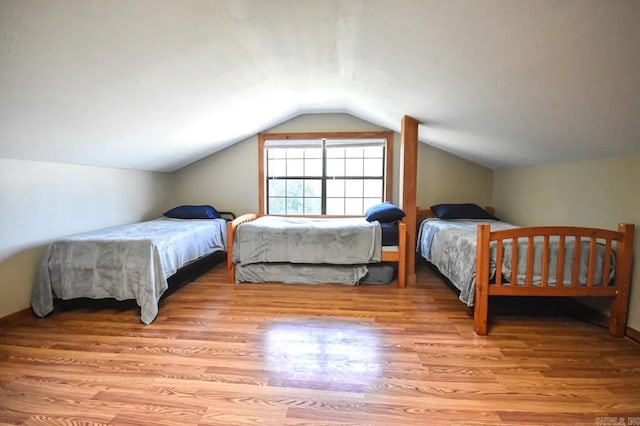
(16, 317)
(633, 334)
(583, 310)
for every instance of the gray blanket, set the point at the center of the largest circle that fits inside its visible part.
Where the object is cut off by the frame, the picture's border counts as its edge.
(450, 245)
(339, 241)
(124, 262)
(300, 273)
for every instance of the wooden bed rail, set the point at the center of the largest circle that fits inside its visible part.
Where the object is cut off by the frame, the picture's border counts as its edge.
(231, 229)
(619, 242)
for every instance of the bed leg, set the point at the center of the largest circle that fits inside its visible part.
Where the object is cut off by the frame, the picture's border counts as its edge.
(481, 302)
(402, 274)
(481, 312)
(620, 303)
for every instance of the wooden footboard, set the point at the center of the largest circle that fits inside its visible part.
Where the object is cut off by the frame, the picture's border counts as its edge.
(387, 256)
(620, 242)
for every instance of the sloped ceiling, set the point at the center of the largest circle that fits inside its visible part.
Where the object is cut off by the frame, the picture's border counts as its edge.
(158, 84)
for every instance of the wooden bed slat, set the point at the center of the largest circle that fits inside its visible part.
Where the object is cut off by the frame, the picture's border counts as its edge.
(560, 270)
(545, 262)
(607, 263)
(592, 261)
(514, 261)
(499, 249)
(530, 248)
(575, 272)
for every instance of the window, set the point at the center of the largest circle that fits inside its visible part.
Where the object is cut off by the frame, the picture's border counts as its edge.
(333, 174)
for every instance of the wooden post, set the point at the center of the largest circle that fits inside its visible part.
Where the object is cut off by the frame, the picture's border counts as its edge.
(624, 260)
(408, 187)
(481, 305)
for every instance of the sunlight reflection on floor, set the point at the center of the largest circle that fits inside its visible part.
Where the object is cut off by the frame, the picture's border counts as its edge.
(323, 349)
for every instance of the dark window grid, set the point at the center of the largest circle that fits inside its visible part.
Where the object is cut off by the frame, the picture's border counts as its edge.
(304, 202)
(323, 197)
(287, 196)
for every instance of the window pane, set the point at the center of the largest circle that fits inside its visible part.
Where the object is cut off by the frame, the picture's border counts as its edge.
(335, 153)
(277, 167)
(313, 167)
(335, 205)
(369, 202)
(354, 152)
(294, 206)
(354, 187)
(354, 167)
(276, 153)
(335, 167)
(295, 188)
(353, 206)
(313, 153)
(335, 188)
(373, 167)
(277, 206)
(295, 167)
(312, 188)
(295, 153)
(373, 151)
(277, 188)
(313, 206)
(373, 188)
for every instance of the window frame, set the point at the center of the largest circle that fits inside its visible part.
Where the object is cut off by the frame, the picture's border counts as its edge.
(263, 137)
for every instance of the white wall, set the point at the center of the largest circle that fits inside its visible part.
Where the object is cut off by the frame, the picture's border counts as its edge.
(599, 193)
(40, 202)
(445, 178)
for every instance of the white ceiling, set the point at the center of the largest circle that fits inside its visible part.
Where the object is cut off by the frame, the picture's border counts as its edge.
(158, 84)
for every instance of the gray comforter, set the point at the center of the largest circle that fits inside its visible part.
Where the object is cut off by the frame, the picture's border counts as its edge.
(124, 262)
(285, 249)
(450, 245)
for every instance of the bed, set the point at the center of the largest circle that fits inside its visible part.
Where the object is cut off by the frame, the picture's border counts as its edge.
(475, 253)
(311, 250)
(124, 262)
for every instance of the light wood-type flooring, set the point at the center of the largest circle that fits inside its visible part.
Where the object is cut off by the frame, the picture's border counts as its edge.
(274, 354)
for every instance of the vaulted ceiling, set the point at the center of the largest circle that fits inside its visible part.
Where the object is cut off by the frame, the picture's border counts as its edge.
(158, 84)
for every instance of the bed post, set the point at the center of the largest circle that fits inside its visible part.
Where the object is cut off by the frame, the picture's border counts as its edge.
(231, 270)
(624, 260)
(481, 305)
(402, 248)
(408, 188)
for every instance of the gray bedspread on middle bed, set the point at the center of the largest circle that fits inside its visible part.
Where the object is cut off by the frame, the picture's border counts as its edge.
(275, 248)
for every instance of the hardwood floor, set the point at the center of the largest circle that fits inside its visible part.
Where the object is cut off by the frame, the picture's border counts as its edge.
(306, 355)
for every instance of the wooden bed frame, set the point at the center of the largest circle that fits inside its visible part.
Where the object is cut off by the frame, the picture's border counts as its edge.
(398, 256)
(620, 240)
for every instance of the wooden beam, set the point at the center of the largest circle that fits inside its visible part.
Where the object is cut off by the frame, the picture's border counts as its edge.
(408, 188)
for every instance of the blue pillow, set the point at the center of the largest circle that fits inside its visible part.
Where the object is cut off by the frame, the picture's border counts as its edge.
(192, 212)
(384, 213)
(461, 211)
